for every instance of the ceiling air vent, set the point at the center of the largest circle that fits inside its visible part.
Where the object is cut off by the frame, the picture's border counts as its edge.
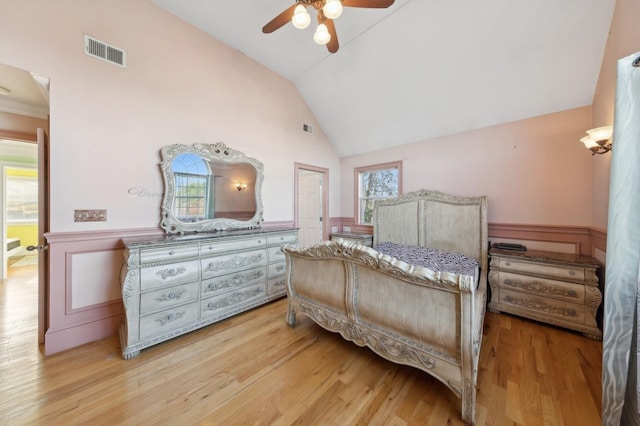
(104, 51)
(307, 128)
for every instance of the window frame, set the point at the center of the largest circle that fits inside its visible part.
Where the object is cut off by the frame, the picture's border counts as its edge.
(372, 168)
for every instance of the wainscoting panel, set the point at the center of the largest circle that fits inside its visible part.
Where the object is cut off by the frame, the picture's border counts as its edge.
(84, 303)
(94, 279)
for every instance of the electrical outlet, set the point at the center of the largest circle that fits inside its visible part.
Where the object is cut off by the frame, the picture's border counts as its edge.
(89, 215)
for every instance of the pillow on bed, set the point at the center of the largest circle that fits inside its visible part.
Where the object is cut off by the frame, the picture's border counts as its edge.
(433, 259)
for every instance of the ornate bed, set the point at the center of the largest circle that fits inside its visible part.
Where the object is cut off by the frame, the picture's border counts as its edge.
(427, 315)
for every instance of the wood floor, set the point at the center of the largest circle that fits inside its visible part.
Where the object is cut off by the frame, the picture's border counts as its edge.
(253, 369)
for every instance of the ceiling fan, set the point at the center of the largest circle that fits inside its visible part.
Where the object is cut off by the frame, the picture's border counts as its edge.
(327, 11)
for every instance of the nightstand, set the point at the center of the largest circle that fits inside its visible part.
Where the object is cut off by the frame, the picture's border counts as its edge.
(364, 239)
(556, 288)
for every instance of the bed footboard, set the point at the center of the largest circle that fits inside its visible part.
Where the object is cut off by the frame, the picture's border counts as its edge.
(431, 320)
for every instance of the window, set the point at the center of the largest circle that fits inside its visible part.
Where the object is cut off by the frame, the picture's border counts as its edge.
(192, 180)
(22, 198)
(376, 183)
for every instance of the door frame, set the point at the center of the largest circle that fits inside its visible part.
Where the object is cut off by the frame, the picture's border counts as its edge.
(15, 137)
(325, 195)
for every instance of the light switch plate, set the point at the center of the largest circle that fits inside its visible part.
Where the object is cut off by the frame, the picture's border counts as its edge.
(89, 215)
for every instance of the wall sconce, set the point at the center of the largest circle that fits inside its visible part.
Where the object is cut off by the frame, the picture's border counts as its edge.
(598, 140)
(240, 186)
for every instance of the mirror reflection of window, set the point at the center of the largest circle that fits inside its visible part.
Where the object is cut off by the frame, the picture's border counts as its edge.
(192, 185)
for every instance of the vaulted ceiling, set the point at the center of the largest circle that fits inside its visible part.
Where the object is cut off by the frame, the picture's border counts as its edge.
(417, 70)
(423, 68)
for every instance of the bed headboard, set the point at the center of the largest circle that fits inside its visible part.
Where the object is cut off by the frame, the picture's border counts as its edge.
(434, 219)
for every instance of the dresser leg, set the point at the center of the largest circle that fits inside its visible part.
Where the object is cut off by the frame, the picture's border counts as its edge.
(130, 355)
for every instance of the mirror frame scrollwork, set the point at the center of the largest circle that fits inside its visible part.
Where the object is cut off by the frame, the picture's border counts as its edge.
(215, 153)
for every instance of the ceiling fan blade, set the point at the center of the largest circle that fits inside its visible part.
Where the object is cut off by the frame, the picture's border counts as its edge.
(374, 4)
(280, 20)
(333, 45)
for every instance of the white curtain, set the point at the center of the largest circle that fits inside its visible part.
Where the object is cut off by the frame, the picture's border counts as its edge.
(619, 368)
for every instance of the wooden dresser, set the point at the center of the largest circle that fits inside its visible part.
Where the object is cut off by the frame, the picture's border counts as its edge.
(556, 288)
(175, 284)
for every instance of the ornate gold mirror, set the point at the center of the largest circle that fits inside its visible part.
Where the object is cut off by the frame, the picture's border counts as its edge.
(210, 188)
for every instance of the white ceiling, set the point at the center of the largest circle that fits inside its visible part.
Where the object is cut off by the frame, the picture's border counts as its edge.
(29, 92)
(417, 70)
(423, 68)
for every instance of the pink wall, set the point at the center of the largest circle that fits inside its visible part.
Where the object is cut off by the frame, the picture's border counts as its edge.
(180, 86)
(624, 40)
(533, 171)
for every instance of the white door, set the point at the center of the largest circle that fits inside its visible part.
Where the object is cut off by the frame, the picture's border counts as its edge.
(310, 206)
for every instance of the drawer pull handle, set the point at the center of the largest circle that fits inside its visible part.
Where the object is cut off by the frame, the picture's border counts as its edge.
(174, 295)
(507, 263)
(171, 272)
(171, 253)
(170, 317)
(572, 272)
(280, 268)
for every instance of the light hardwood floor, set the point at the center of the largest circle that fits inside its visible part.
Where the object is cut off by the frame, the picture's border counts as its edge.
(254, 369)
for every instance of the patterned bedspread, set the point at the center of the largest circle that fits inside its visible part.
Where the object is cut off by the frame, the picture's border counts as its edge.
(433, 259)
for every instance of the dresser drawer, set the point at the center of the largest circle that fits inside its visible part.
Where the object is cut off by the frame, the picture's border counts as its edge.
(218, 305)
(276, 286)
(275, 254)
(222, 247)
(277, 269)
(167, 275)
(542, 287)
(168, 253)
(542, 307)
(224, 264)
(278, 240)
(224, 283)
(550, 270)
(169, 320)
(158, 300)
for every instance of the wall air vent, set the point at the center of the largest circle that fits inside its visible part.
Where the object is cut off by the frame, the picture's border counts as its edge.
(104, 51)
(307, 128)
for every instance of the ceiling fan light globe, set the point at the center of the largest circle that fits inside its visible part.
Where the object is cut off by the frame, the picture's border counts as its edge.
(332, 9)
(301, 18)
(322, 35)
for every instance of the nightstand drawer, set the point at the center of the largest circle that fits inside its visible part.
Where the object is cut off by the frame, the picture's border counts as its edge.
(542, 287)
(542, 306)
(550, 270)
